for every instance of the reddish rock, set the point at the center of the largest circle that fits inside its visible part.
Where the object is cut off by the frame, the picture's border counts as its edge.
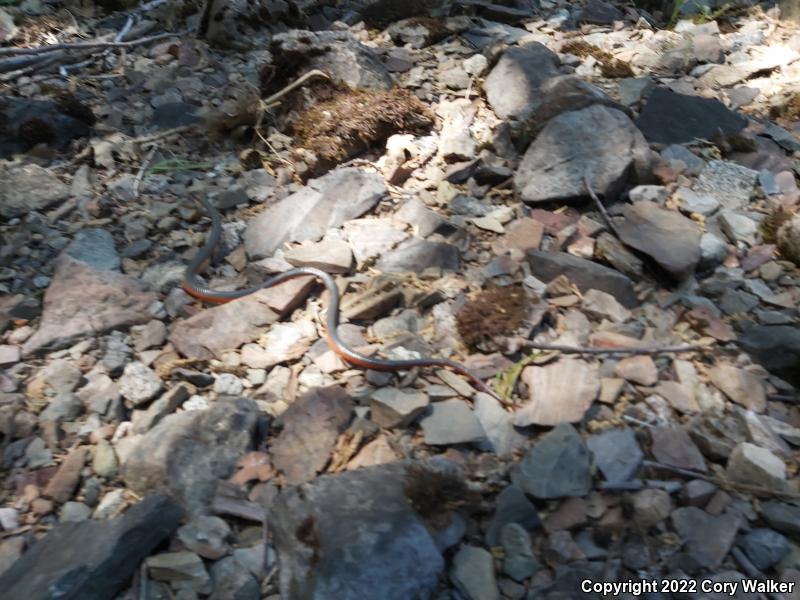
(63, 484)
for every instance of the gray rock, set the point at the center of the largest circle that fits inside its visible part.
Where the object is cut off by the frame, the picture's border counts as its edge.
(228, 384)
(707, 539)
(672, 118)
(104, 462)
(650, 507)
(473, 574)
(692, 202)
(311, 426)
(649, 193)
(332, 256)
(512, 86)
(512, 506)
(519, 562)
(91, 560)
(231, 582)
(310, 212)
(557, 466)
(669, 238)
(731, 184)
(27, 188)
(164, 276)
(497, 423)
(616, 453)
(64, 407)
(74, 512)
(583, 273)
(765, 548)
(139, 383)
(783, 517)
(9, 519)
(599, 12)
(206, 535)
(694, 164)
(735, 302)
(154, 333)
(188, 453)
(392, 407)
(754, 465)
(598, 141)
(776, 347)
(354, 535)
(673, 446)
(632, 89)
(37, 454)
(455, 139)
(713, 251)
(184, 570)
(416, 255)
(738, 228)
(62, 376)
(96, 248)
(451, 422)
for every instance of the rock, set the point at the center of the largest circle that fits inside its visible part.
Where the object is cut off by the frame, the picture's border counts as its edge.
(455, 139)
(672, 118)
(754, 465)
(616, 453)
(648, 193)
(108, 554)
(519, 562)
(154, 333)
(650, 507)
(451, 422)
(104, 462)
(9, 519)
(473, 574)
(698, 492)
(63, 484)
(738, 228)
(638, 369)
(94, 247)
(599, 12)
(416, 255)
(231, 581)
(788, 240)
(693, 163)
(37, 454)
(731, 184)
(139, 383)
(63, 407)
(512, 506)
(633, 89)
(206, 536)
(358, 538)
(28, 188)
(392, 407)
(184, 570)
(560, 392)
(783, 517)
(81, 301)
(692, 202)
(497, 423)
(512, 86)
(369, 238)
(227, 384)
(558, 466)
(713, 251)
(740, 386)
(311, 426)
(776, 347)
(707, 539)
(331, 256)
(189, 452)
(604, 306)
(585, 274)
(669, 238)
(679, 396)
(307, 214)
(598, 141)
(74, 512)
(214, 331)
(673, 446)
(765, 548)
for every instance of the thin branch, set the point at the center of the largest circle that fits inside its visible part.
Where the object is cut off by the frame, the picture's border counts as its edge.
(600, 206)
(639, 350)
(137, 183)
(295, 84)
(87, 45)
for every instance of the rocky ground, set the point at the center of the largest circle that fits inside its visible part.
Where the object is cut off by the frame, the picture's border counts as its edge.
(437, 163)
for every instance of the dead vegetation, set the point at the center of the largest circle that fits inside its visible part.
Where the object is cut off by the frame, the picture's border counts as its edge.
(492, 312)
(610, 67)
(770, 225)
(344, 122)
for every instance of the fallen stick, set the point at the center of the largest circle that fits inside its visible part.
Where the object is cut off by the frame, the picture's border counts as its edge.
(639, 350)
(86, 45)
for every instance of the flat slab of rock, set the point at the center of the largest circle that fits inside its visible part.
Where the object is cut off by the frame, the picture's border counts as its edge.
(332, 256)
(753, 465)
(708, 539)
(326, 202)
(728, 183)
(502, 437)
(616, 453)
(352, 536)
(91, 560)
(226, 327)
(560, 392)
(188, 453)
(585, 274)
(666, 236)
(598, 141)
(451, 422)
(26, 188)
(776, 347)
(512, 86)
(311, 426)
(673, 118)
(740, 386)
(558, 466)
(416, 255)
(673, 446)
(82, 301)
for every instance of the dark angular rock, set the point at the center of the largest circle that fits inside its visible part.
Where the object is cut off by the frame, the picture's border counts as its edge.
(512, 506)
(352, 536)
(776, 347)
(708, 539)
(584, 273)
(598, 12)
(616, 453)
(765, 548)
(672, 118)
(91, 560)
(557, 466)
(783, 517)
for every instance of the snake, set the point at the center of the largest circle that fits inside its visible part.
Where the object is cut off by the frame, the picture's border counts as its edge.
(197, 289)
